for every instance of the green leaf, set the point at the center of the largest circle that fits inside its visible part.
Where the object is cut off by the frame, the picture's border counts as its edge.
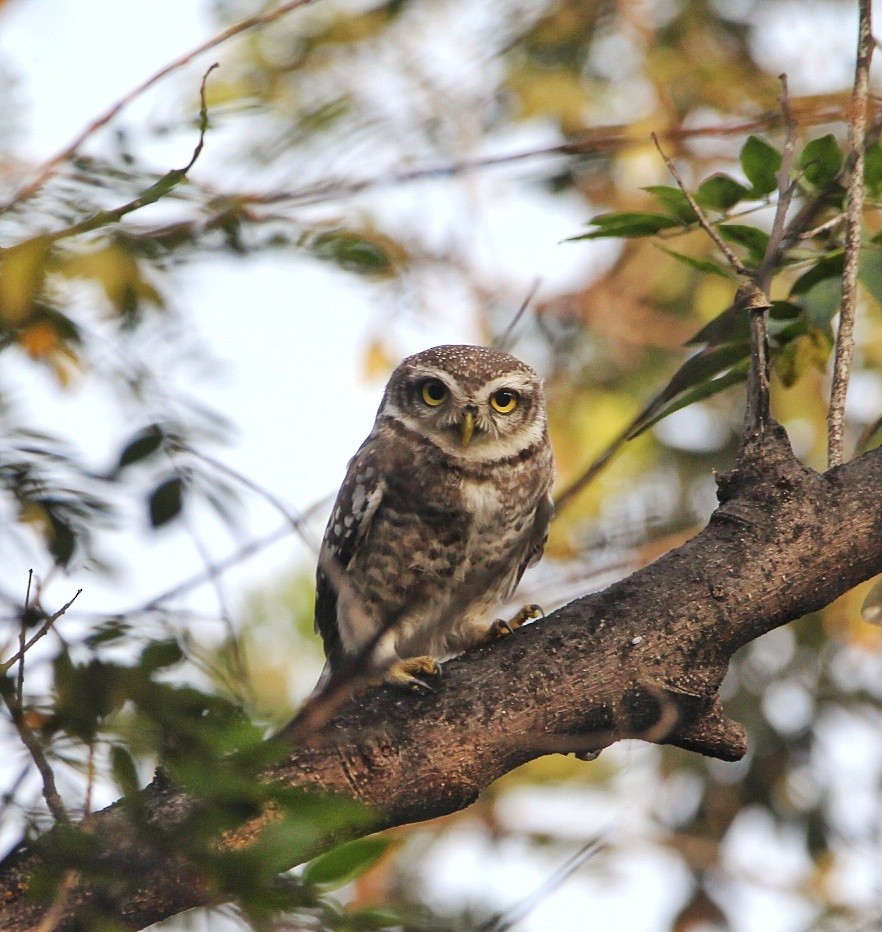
(695, 372)
(873, 171)
(673, 201)
(736, 374)
(628, 225)
(821, 160)
(760, 162)
(124, 770)
(144, 443)
(829, 266)
(752, 239)
(702, 265)
(166, 501)
(870, 272)
(344, 863)
(720, 192)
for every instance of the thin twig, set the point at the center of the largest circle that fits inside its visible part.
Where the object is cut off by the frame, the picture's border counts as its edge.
(22, 640)
(703, 222)
(854, 206)
(35, 749)
(41, 632)
(155, 192)
(56, 912)
(606, 141)
(48, 168)
(503, 342)
(506, 920)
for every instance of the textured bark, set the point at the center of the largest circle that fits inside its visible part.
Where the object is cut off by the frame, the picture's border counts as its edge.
(644, 658)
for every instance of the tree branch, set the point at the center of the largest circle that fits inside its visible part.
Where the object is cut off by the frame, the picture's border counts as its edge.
(784, 542)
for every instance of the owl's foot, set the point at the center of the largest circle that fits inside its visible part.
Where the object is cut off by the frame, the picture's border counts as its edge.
(413, 673)
(501, 628)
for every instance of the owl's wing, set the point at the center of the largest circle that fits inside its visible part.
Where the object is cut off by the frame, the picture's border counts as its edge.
(356, 504)
(537, 537)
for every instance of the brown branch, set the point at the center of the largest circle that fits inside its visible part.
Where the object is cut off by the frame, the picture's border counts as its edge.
(49, 167)
(785, 542)
(854, 209)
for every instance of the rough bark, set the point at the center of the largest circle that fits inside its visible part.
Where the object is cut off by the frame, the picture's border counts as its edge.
(643, 658)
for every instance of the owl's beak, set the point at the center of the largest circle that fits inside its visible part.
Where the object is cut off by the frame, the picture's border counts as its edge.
(467, 427)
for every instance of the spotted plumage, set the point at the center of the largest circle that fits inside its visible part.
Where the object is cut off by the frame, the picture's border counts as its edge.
(442, 509)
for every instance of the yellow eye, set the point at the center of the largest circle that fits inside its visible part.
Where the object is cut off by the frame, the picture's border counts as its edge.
(504, 401)
(433, 392)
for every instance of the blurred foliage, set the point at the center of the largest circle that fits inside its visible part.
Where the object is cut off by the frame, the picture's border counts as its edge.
(344, 119)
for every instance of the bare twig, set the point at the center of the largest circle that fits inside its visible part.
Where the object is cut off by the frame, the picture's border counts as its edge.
(22, 640)
(604, 141)
(155, 192)
(48, 168)
(854, 206)
(35, 749)
(703, 222)
(41, 632)
(506, 920)
(504, 338)
(56, 912)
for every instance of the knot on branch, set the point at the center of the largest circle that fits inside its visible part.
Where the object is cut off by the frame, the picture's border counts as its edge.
(765, 458)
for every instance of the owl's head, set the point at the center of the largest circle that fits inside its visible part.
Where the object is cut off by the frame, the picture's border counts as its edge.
(472, 401)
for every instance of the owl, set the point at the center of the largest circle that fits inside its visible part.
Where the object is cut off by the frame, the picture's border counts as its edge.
(443, 507)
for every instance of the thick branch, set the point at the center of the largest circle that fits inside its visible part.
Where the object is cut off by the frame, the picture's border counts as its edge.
(643, 658)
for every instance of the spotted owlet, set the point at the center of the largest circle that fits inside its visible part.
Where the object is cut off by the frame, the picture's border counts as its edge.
(443, 507)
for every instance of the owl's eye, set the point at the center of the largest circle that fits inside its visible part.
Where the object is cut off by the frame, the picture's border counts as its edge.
(504, 401)
(433, 392)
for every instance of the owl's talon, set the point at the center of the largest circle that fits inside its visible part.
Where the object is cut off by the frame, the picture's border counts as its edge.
(410, 672)
(502, 628)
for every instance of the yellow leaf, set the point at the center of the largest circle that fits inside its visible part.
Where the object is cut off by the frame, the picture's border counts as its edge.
(117, 272)
(378, 361)
(22, 273)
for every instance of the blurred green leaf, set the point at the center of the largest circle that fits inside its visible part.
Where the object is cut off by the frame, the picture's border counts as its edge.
(166, 501)
(738, 373)
(821, 160)
(346, 862)
(870, 271)
(159, 654)
(873, 171)
(363, 253)
(701, 265)
(829, 266)
(145, 442)
(673, 201)
(760, 163)
(125, 773)
(628, 225)
(698, 369)
(809, 350)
